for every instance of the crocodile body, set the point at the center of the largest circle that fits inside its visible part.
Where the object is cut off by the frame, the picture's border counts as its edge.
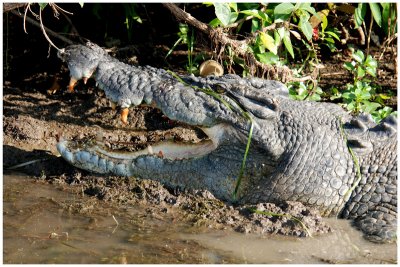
(315, 153)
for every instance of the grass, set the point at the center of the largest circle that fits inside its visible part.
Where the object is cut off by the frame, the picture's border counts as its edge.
(355, 161)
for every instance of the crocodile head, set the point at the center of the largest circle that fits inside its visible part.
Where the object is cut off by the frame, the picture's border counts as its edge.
(223, 108)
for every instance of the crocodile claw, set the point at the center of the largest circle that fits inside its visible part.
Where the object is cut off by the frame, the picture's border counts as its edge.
(124, 115)
(71, 85)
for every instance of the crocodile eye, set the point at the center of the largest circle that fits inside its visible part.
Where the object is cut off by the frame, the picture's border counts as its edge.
(219, 88)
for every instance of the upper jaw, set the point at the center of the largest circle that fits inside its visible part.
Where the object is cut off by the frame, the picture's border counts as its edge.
(72, 151)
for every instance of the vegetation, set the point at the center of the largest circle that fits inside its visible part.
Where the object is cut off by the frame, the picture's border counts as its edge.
(285, 36)
(275, 26)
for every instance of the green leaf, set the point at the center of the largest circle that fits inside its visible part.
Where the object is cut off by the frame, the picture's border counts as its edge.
(233, 17)
(385, 16)
(42, 5)
(277, 38)
(283, 12)
(304, 16)
(384, 97)
(389, 14)
(215, 23)
(306, 28)
(370, 107)
(264, 16)
(307, 7)
(360, 72)
(268, 58)
(324, 21)
(223, 12)
(371, 62)
(371, 71)
(81, 4)
(359, 14)
(334, 35)
(358, 56)
(255, 25)
(349, 66)
(268, 42)
(349, 96)
(288, 43)
(233, 6)
(329, 40)
(252, 12)
(376, 13)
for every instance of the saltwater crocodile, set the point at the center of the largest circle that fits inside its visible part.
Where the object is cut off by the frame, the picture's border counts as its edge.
(315, 153)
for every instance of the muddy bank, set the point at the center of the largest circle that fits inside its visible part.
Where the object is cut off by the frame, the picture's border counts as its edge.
(35, 117)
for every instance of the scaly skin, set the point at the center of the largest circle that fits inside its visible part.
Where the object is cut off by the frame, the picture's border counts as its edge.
(300, 151)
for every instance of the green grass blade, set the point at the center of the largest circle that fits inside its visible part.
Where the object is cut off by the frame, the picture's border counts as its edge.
(173, 47)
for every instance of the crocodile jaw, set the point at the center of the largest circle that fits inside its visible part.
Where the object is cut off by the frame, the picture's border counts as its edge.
(95, 157)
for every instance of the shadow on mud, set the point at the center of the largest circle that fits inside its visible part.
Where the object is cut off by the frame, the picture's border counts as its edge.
(35, 163)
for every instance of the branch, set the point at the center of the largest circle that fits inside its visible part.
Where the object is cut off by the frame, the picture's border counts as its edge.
(10, 6)
(239, 47)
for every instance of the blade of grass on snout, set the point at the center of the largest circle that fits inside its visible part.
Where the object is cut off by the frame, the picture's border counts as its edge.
(244, 113)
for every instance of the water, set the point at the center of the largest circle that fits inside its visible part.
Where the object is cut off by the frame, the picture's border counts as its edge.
(44, 224)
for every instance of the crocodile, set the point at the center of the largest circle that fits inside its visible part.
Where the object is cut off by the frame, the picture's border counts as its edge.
(311, 152)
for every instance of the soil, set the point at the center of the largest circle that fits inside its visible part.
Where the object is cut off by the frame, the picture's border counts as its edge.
(38, 111)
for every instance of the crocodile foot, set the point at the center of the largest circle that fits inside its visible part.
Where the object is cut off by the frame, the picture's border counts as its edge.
(379, 227)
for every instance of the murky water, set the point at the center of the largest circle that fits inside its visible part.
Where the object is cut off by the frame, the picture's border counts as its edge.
(44, 224)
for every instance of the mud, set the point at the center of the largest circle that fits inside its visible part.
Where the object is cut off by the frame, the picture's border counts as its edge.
(35, 116)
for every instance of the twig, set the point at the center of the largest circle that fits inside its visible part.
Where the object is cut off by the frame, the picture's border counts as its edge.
(10, 6)
(50, 32)
(44, 31)
(369, 33)
(386, 44)
(26, 163)
(115, 228)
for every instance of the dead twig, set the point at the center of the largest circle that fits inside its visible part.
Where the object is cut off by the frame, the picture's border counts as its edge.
(11, 6)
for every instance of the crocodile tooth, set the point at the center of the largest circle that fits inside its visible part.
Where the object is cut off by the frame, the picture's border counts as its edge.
(103, 164)
(83, 156)
(113, 105)
(85, 79)
(150, 149)
(110, 166)
(99, 136)
(94, 160)
(121, 170)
